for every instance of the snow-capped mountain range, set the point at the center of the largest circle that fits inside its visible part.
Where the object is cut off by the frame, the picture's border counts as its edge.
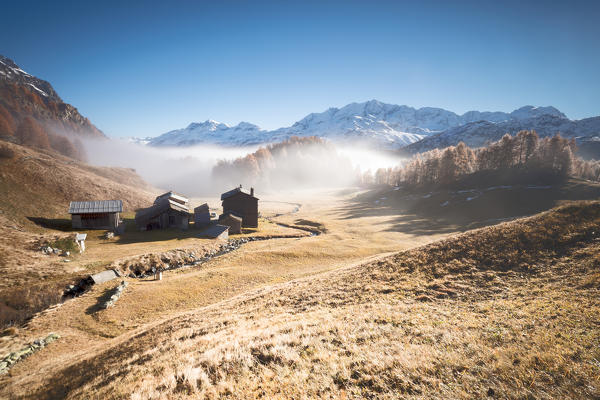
(382, 125)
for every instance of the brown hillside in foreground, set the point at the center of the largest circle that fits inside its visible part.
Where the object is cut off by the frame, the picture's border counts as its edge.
(509, 311)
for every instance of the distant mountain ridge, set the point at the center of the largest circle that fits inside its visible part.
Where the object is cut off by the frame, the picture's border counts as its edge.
(477, 134)
(374, 123)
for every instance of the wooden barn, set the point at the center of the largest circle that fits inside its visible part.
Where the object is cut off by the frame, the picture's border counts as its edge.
(201, 216)
(169, 210)
(103, 214)
(232, 221)
(242, 204)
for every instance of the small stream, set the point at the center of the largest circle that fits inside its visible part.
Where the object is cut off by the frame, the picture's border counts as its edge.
(85, 284)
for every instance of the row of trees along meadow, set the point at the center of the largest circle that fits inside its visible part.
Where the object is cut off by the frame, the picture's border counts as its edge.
(525, 151)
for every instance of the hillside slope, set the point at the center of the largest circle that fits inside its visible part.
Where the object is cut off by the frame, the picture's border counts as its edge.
(33, 114)
(41, 184)
(509, 311)
(26, 95)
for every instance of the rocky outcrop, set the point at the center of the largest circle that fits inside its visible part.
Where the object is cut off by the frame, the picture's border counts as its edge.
(23, 95)
(116, 294)
(11, 359)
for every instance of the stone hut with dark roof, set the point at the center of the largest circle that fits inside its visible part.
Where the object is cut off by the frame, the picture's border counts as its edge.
(169, 210)
(243, 204)
(232, 221)
(201, 216)
(103, 214)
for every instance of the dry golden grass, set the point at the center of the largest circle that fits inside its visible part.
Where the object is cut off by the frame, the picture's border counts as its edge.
(472, 316)
(36, 188)
(148, 313)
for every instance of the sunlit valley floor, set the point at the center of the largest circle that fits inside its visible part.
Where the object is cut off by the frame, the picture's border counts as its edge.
(341, 313)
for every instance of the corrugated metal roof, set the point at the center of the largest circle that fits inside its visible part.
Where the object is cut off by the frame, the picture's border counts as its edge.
(100, 206)
(171, 195)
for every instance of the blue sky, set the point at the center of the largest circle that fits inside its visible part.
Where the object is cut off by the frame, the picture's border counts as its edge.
(140, 69)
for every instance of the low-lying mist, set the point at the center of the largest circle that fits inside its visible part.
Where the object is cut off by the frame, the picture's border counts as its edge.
(298, 163)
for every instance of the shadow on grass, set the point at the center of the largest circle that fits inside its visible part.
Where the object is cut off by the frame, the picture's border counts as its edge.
(157, 235)
(59, 224)
(427, 211)
(103, 298)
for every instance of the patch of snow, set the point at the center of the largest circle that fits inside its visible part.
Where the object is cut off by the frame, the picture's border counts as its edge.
(444, 204)
(36, 88)
(19, 70)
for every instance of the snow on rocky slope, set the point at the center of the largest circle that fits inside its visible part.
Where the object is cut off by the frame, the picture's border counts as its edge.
(373, 123)
(212, 132)
(477, 134)
(24, 95)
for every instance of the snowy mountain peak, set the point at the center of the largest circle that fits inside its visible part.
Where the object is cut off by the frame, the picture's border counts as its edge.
(208, 124)
(373, 122)
(11, 72)
(210, 132)
(247, 126)
(527, 112)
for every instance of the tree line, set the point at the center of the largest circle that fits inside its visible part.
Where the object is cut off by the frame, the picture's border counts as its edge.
(525, 151)
(295, 162)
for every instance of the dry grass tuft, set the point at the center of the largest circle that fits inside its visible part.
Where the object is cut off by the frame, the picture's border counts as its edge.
(510, 311)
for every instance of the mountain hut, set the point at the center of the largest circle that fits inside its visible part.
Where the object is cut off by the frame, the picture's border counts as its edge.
(201, 216)
(169, 210)
(232, 221)
(103, 214)
(242, 204)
